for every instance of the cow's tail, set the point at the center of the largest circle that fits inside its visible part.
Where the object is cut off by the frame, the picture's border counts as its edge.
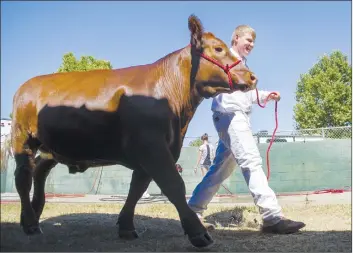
(6, 152)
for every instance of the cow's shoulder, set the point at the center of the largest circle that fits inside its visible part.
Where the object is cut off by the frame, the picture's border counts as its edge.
(145, 111)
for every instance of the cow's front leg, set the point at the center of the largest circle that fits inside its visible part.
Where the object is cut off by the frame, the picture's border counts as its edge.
(40, 174)
(155, 157)
(139, 184)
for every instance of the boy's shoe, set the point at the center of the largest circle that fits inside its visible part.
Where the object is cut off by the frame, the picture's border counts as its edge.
(285, 226)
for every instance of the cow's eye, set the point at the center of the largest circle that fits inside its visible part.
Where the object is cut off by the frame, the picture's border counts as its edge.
(219, 49)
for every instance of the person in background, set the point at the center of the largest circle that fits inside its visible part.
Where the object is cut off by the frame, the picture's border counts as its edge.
(206, 155)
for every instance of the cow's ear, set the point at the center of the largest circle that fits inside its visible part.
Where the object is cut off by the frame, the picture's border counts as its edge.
(196, 29)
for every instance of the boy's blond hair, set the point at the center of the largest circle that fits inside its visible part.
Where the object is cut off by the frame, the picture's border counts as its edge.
(241, 30)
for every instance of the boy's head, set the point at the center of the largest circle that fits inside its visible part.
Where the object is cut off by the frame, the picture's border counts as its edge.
(243, 40)
(204, 137)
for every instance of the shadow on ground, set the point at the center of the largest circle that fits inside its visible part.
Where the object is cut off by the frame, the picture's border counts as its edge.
(98, 232)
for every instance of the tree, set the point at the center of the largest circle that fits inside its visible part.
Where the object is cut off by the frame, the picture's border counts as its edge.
(196, 143)
(324, 94)
(86, 63)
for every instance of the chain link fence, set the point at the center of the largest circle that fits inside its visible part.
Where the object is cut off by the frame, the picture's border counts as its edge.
(323, 133)
(300, 135)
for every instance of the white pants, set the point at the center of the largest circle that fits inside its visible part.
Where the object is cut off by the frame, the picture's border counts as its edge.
(237, 146)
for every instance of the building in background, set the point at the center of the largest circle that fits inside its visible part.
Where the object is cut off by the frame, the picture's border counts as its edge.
(5, 128)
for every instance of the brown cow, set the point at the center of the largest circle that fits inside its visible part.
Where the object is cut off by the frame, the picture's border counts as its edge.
(136, 117)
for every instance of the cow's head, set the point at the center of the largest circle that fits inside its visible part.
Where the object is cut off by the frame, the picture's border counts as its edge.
(211, 59)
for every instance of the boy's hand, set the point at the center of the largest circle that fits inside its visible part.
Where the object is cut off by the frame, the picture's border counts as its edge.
(276, 97)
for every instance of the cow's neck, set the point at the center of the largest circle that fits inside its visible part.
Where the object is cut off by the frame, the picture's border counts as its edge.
(188, 114)
(173, 82)
(176, 85)
(195, 99)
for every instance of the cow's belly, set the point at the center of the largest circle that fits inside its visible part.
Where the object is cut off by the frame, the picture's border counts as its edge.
(80, 134)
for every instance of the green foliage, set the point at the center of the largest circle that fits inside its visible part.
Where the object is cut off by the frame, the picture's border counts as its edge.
(324, 94)
(86, 63)
(10, 115)
(196, 143)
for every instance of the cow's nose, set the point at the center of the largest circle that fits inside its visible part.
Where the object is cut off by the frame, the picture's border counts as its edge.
(253, 78)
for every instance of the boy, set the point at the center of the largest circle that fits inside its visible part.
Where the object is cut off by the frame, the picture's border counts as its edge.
(231, 117)
(206, 152)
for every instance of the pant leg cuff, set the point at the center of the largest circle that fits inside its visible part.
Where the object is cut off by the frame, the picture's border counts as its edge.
(272, 221)
(197, 210)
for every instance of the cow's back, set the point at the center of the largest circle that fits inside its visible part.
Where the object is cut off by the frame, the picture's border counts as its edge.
(97, 90)
(81, 107)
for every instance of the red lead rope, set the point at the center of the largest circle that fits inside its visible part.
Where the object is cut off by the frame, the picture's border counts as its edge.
(274, 131)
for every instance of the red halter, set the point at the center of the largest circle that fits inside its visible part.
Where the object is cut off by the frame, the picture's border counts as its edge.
(226, 68)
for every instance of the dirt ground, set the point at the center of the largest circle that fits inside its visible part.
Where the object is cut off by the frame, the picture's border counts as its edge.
(91, 227)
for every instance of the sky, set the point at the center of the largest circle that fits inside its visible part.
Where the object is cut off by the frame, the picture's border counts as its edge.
(291, 37)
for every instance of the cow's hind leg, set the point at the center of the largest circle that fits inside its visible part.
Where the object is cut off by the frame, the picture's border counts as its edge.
(41, 171)
(23, 181)
(139, 183)
(159, 163)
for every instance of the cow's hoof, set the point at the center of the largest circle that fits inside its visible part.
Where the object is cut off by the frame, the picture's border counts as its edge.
(128, 234)
(201, 241)
(32, 230)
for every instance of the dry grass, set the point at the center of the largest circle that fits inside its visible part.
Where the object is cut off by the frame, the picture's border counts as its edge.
(91, 227)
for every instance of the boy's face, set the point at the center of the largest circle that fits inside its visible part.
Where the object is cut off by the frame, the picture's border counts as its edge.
(244, 44)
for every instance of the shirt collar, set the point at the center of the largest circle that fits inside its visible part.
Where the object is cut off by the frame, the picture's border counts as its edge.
(243, 59)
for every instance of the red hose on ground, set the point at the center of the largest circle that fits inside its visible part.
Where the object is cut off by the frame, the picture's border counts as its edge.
(325, 191)
(61, 195)
(334, 191)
